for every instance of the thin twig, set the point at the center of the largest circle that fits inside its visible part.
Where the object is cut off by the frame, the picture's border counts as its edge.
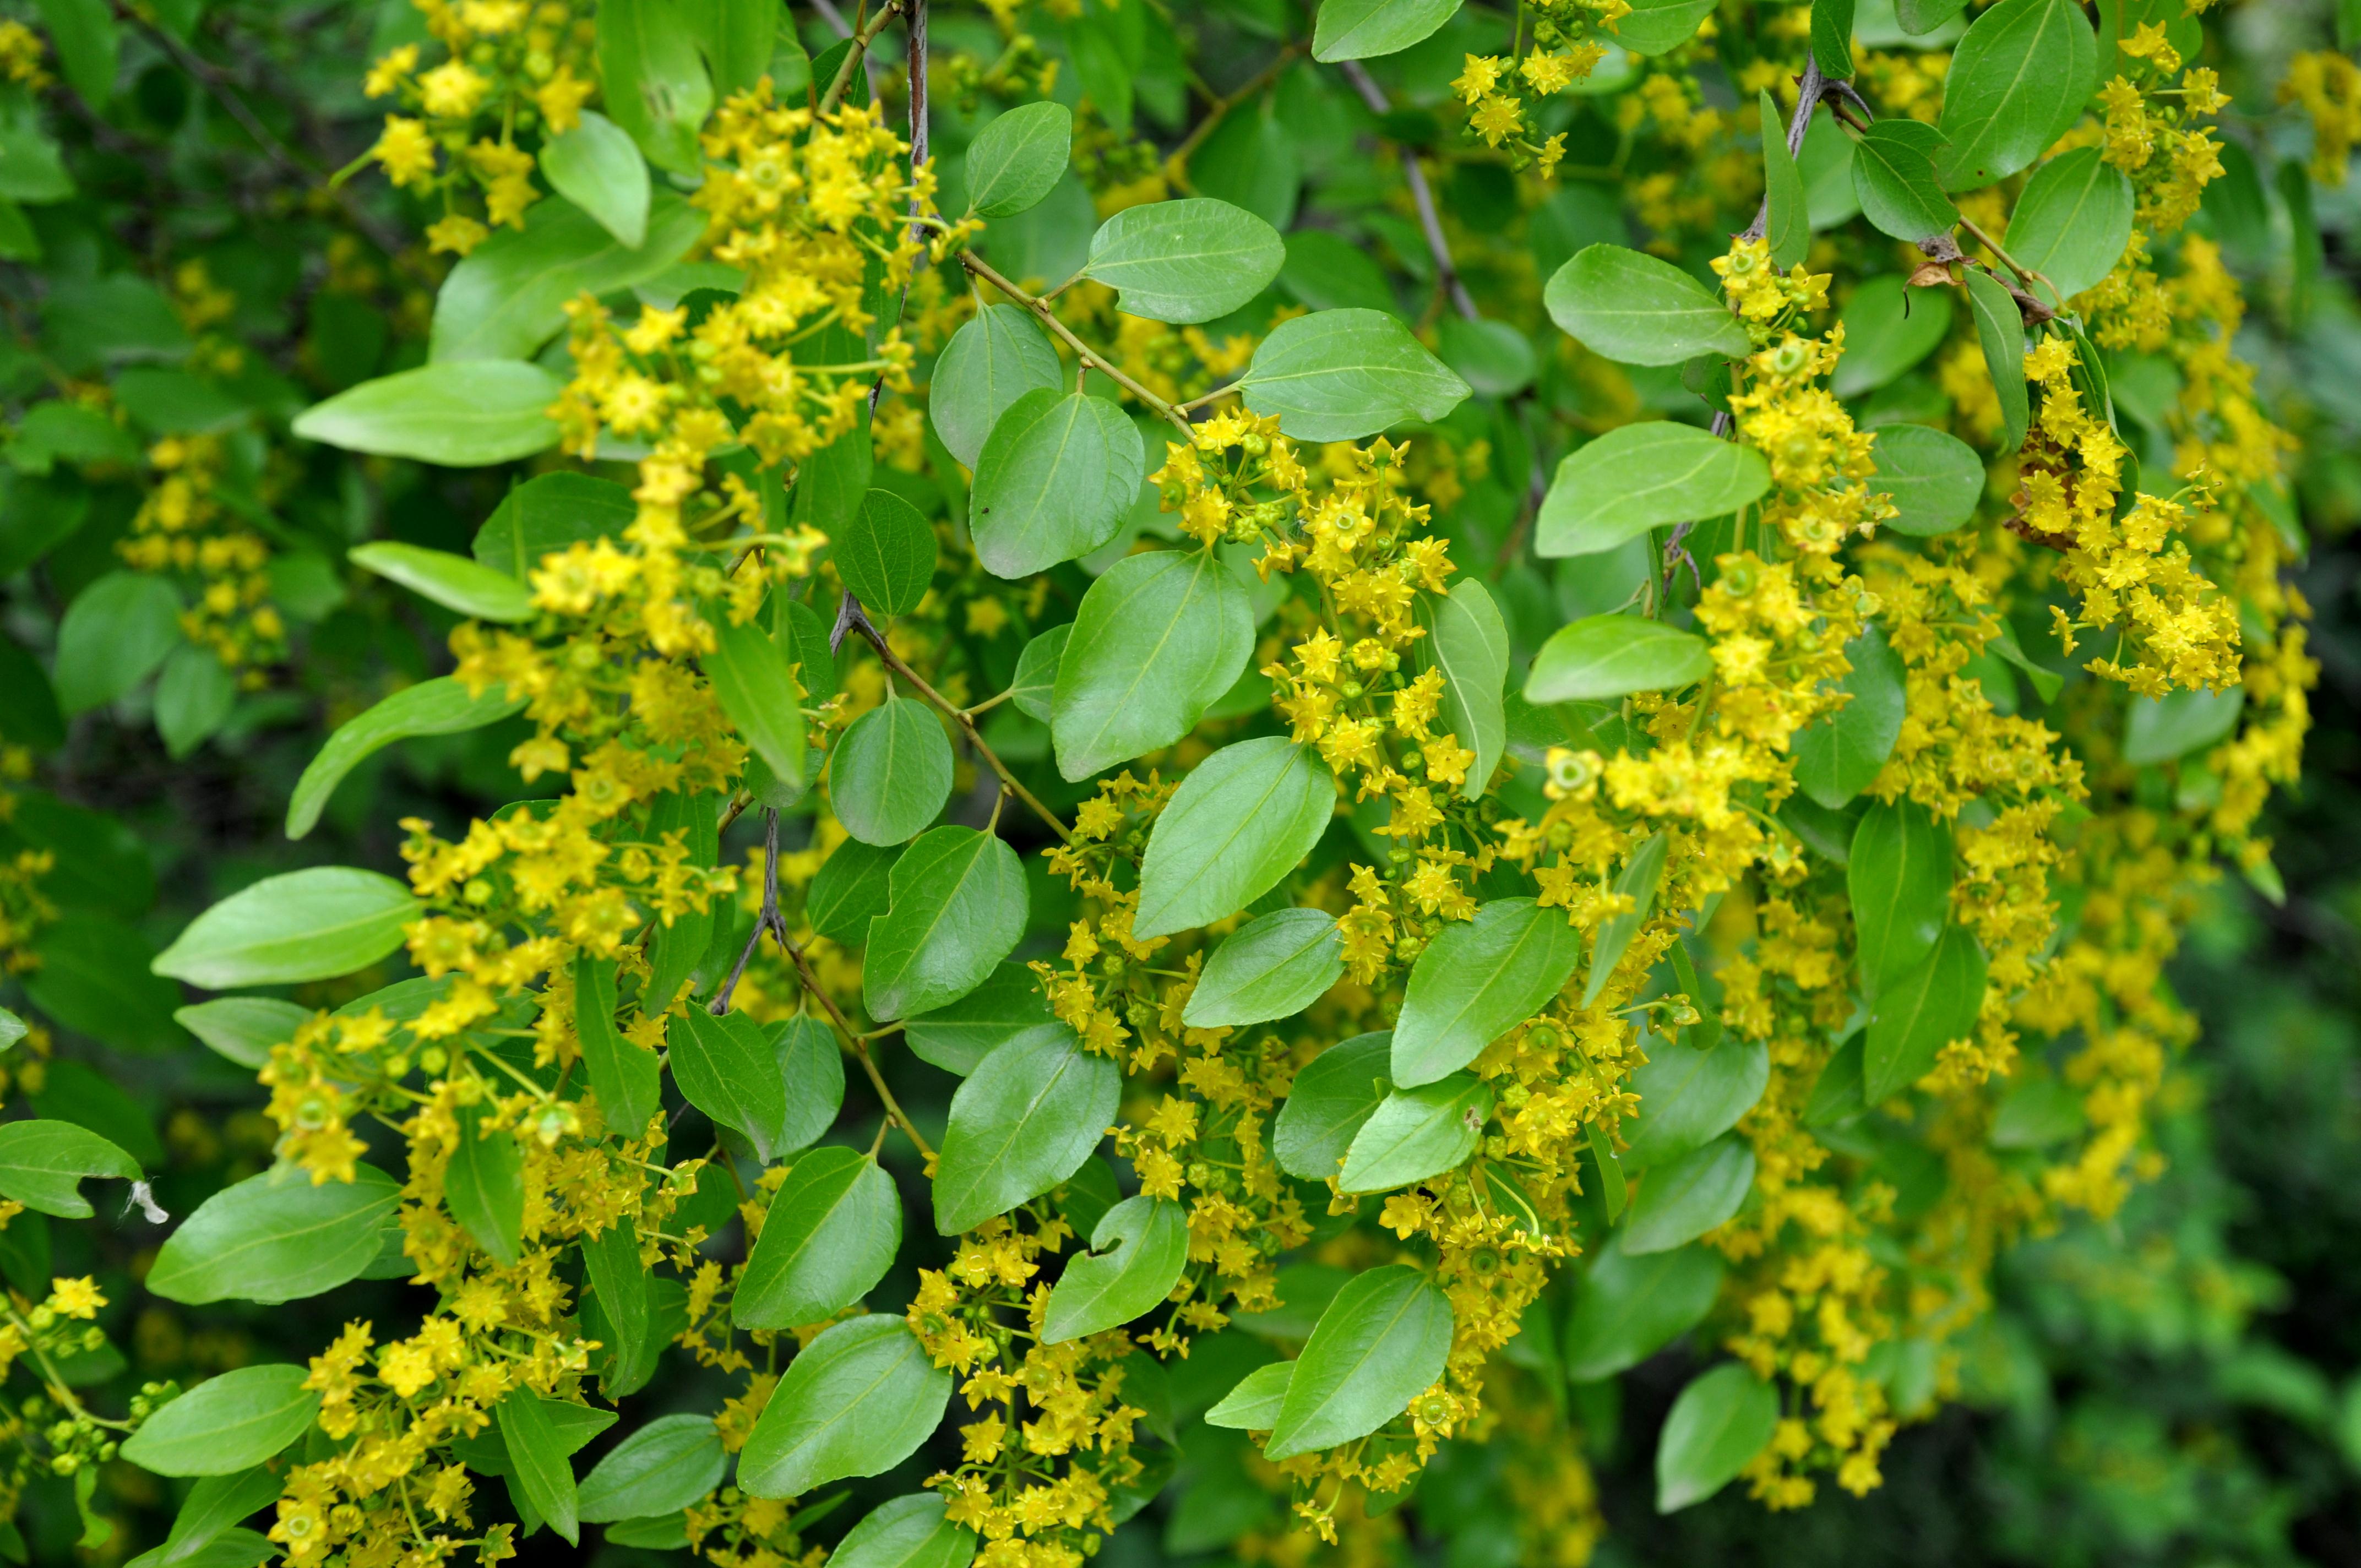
(1446, 273)
(849, 616)
(853, 1045)
(863, 37)
(1811, 87)
(1091, 356)
(768, 918)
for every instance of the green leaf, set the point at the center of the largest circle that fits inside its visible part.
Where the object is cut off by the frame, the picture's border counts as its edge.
(1659, 27)
(1900, 881)
(1638, 881)
(1056, 479)
(32, 170)
(831, 1233)
(1921, 1011)
(1477, 980)
(1325, 270)
(891, 774)
(753, 684)
(1639, 476)
(58, 431)
(1240, 822)
(1628, 1307)
(1894, 177)
(91, 980)
(1933, 479)
(548, 514)
(1334, 1095)
(193, 698)
(1017, 157)
(243, 1029)
(1839, 755)
(540, 1462)
(452, 581)
(1363, 29)
(508, 297)
(1832, 38)
(1415, 1133)
(597, 167)
(857, 1401)
(959, 907)
(1156, 641)
(1138, 1250)
(1606, 656)
(1638, 310)
(2000, 328)
(485, 1187)
(1491, 356)
(1689, 1097)
(885, 555)
(2157, 729)
(1722, 1420)
(1380, 1344)
(662, 1468)
(1036, 673)
(812, 1068)
(990, 362)
(1685, 1199)
(460, 414)
(114, 635)
(309, 925)
(678, 944)
(1788, 211)
(1469, 642)
(277, 1238)
(619, 1284)
(42, 1165)
(2072, 222)
(210, 1513)
(1342, 374)
(88, 43)
(2017, 81)
(226, 1424)
(653, 82)
(624, 1073)
(853, 886)
(1255, 1403)
(726, 1067)
(1889, 327)
(1273, 967)
(1187, 260)
(1008, 1006)
(906, 1533)
(1024, 1121)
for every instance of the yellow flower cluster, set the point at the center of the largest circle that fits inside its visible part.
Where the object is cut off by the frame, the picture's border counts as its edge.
(2327, 86)
(1569, 39)
(185, 527)
(523, 65)
(22, 54)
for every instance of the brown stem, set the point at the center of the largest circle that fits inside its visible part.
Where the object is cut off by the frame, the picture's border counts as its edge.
(852, 1044)
(1446, 274)
(858, 54)
(1176, 162)
(2025, 273)
(1091, 356)
(853, 617)
(1811, 87)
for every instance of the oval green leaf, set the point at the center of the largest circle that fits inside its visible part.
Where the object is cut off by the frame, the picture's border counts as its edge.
(1240, 822)
(1008, 1005)
(437, 706)
(857, 1401)
(276, 1237)
(1635, 309)
(1605, 656)
(1639, 476)
(1156, 643)
(1477, 980)
(1026, 1119)
(753, 683)
(1380, 1344)
(1689, 1097)
(1017, 157)
(1682, 1201)
(1933, 479)
(1921, 1011)
(1469, 642)
(1138, 1250)
(1274, 967)
(726, 1067)
(1418, 1133)
(990, 362)
(1056, 479)
(1187, 260)
(459, 413)
(1333, 1096)
(308, 925)
(43, 1164)
(907, 1532)
(831, 1235)
(1723, 1418)
(889, 776)
(2072, 222)
(885, 555)
(959, 906)
(1342, 374)
(1629, 1307)
(1899, 878)
(1838, 755)
(226, 1424)
(662, 1468)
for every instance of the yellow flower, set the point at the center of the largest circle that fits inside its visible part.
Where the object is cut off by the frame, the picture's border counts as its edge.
(75, 1298)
